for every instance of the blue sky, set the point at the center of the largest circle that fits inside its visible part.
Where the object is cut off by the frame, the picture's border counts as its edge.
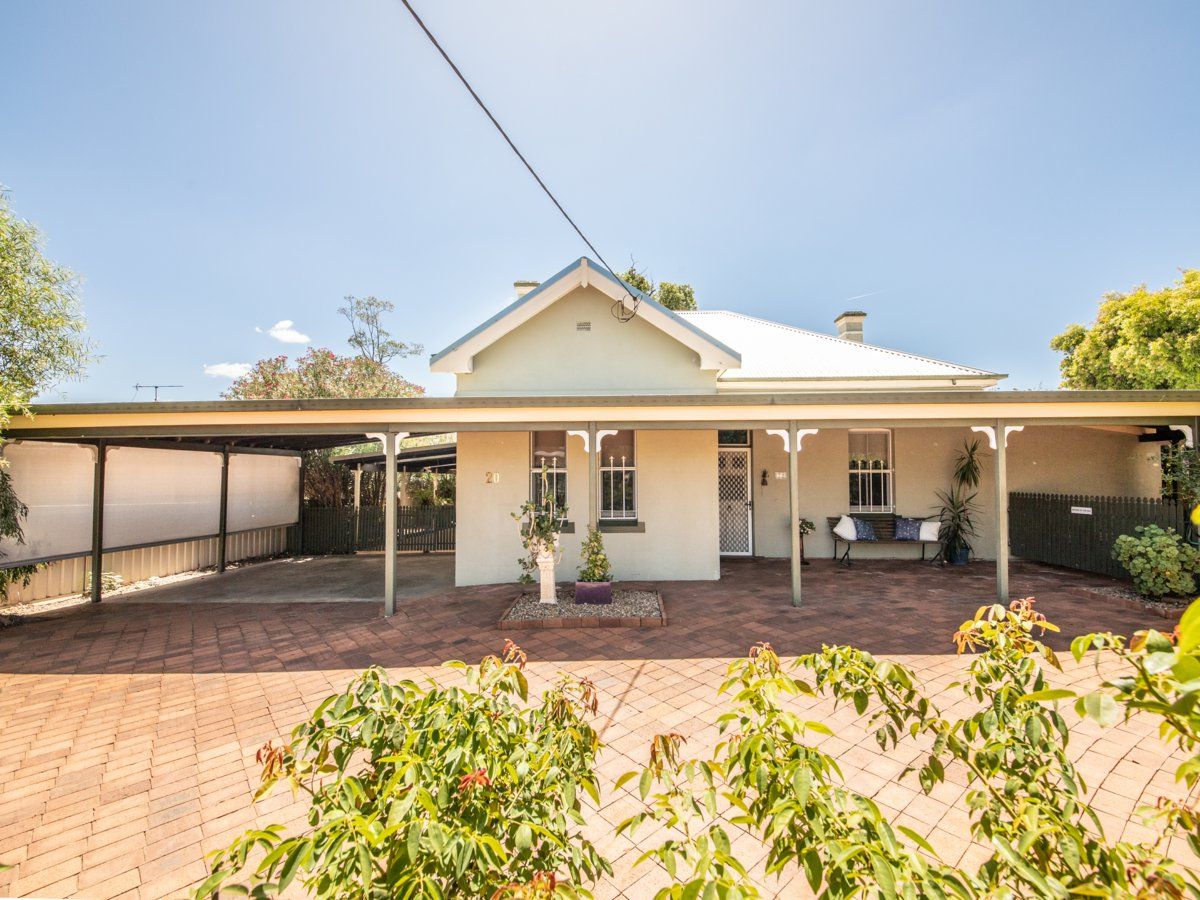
(984, 174)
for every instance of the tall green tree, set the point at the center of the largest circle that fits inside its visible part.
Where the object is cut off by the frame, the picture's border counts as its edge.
(1143, 340)
(320, 374)
(368, 334)
(41, 341)
(671, 295)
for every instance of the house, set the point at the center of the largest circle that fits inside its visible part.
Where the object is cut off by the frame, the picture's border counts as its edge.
(685, 437)
(671, 499)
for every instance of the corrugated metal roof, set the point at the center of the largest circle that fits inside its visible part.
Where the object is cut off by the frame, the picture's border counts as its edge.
(773, 350)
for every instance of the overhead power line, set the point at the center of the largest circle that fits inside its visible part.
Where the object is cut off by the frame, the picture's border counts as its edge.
(626, 312)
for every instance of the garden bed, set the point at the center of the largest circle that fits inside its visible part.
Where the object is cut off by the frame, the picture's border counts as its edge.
(629, 609)
(1166, 607)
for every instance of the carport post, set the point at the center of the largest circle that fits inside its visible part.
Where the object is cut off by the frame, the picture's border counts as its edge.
(357, 502)
(98, 520)
(1001, 512)
(223, 518)
(300, 512)
(389, 524)
(793, 449)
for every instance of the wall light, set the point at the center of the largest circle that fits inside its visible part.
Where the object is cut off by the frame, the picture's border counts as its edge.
(764, 478)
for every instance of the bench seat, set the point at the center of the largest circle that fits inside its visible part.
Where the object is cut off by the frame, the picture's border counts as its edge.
(885, 533)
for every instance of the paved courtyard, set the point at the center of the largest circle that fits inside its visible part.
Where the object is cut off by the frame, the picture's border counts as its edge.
(128, 730)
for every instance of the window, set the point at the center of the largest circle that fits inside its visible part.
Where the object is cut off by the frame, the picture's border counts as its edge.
(871, 471)
(618, 477)
(549, 449)
(733, 438)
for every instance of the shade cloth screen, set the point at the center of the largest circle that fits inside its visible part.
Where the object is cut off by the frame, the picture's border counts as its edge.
(55, 482)
(154, 496)
(263, 490)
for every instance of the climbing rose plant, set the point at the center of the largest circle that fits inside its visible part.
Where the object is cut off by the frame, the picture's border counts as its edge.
(430, 791)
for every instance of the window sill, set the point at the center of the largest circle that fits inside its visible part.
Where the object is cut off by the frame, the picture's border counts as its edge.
(619, 526)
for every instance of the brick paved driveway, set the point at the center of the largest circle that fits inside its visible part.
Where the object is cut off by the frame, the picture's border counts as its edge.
(128, 731)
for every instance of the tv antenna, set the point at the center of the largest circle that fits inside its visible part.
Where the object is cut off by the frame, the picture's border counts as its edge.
(155, 387)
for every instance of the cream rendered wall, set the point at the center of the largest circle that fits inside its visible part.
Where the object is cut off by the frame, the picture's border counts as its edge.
(677, 503)
(823, 487)
(1058, 459)
(487, 545)
(548, 355)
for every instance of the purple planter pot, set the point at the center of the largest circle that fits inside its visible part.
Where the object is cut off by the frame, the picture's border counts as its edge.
(593, 592)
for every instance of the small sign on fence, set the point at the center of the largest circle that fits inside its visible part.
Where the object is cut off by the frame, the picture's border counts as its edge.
(1081, 510)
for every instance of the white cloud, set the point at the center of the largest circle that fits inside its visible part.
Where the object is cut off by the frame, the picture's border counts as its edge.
(284, 332)
(227, 370)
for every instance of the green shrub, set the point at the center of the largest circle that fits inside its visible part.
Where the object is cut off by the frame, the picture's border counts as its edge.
(432, 792)
(595, 566)
(1158, 561)
(1025, 800)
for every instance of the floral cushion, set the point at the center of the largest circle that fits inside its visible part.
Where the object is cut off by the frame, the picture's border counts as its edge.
(864, 530)
(908, 529)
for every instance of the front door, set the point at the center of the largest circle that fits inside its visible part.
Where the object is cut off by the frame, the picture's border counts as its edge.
(733, 494)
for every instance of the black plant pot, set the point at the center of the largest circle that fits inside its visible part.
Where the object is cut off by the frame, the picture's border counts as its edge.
(593, 592)
(959, 556)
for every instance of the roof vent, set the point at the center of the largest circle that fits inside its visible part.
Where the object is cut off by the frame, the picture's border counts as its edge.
(850, 325)
(524, 287)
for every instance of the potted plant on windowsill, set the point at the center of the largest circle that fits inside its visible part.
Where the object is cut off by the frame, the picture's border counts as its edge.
(540, 522)
(595, 575)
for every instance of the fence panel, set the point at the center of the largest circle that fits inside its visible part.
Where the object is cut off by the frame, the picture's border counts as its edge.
(1077, 530)
(337, 529)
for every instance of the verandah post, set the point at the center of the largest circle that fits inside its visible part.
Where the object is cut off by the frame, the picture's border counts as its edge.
(1001, 512)
(593, 475)
(793, 449)
(389, 524)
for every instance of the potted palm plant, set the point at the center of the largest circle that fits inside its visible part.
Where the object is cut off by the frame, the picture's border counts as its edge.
(595, 574)
(958, 506)
(540, 522)
(958, 527)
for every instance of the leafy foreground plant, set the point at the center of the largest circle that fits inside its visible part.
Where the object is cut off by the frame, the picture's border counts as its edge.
(431, 792)
(1025, 798)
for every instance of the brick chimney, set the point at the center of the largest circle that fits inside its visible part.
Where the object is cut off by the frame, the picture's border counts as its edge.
(850, 325)
(524, 287)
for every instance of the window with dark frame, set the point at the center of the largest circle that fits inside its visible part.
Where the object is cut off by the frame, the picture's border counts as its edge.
(618, 478)
(548, 449)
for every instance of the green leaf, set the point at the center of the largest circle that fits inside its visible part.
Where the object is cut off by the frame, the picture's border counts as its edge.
(1189, 628)
(1047, 694)
(524, 837)
(885, 879)
(813, 869)
(1102, 708)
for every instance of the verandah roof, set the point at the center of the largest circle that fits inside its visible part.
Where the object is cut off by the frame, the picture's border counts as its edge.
(274, 422)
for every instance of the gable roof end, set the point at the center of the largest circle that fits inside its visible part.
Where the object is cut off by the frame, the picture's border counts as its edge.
(459, 357)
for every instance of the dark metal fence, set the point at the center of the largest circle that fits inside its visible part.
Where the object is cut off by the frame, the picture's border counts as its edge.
(339, 530)
(1078, 531)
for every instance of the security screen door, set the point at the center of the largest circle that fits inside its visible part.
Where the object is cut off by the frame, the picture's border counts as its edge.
(733, 493)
